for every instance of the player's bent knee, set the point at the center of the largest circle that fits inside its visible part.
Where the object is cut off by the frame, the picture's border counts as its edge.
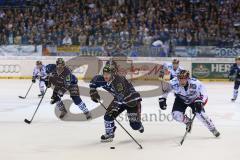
(178, 116)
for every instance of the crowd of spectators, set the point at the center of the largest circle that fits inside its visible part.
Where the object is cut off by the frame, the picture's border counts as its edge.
(140, 22)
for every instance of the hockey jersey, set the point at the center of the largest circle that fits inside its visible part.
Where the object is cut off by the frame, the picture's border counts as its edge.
(173, 72)
(64, 79)
(40, 73)
(121, 89)
(235, 71)
(194, 90)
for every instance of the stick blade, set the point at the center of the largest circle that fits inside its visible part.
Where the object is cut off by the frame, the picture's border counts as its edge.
(181, 142)
(27, 121)
(21, 97)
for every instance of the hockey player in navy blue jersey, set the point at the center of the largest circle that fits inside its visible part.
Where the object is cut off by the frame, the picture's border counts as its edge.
(234, 75)
(61, 77)
(125, 98)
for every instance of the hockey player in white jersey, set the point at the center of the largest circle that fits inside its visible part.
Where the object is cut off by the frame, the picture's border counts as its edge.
(189, 92)
(173, 68)
(39, 73)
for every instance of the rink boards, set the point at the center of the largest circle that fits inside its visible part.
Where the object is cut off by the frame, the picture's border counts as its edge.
(140, 68)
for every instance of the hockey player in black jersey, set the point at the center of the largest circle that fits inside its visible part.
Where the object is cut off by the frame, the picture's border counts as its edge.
(234, 75)
(125, 98)
(61, 77)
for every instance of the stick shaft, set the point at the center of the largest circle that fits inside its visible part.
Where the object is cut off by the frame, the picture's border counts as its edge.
(186, 132)
(38, 105)
(28, 90)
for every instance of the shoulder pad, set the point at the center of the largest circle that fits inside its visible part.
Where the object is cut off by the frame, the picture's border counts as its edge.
(50, 68)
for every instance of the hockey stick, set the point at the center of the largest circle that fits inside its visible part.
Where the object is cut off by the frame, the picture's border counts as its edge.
(186, 132)
(140, 146)
(26, 120)
(26, 93)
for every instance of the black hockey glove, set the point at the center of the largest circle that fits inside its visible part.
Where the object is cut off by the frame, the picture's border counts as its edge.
(33, 79)
(94, 95)
(114, 112)
(162, 103)
(55, 98)
(198, 106)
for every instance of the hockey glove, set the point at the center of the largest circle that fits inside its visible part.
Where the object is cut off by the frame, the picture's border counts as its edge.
(162, 103)
(94, 95)
(54, 98)
(114, 112)
(33, 79)
(198, 106)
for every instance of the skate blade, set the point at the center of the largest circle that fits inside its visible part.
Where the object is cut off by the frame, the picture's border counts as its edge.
(63, 116)
(89, 119)
(233, 99)
(107, 140)
(217, 135)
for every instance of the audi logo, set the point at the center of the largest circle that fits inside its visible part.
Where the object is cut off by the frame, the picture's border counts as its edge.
(9, 68)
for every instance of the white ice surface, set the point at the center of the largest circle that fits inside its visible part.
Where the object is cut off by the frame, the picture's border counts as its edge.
(48, 138)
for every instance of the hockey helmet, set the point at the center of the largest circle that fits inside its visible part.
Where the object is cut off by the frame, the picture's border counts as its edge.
(175, 61)
(60, 61)
(183, 74)
(38, 63)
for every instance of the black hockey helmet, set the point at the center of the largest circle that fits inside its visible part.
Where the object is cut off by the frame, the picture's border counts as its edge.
(113, 65)
(60, 61)
(108, 69)
(38, 63)
(183, 74)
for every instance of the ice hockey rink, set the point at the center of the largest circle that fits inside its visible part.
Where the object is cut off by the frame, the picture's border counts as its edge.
(50, 138)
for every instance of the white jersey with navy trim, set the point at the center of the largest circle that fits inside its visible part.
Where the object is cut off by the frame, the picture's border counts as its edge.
(189, 94)
(173, 72)
(40, 73)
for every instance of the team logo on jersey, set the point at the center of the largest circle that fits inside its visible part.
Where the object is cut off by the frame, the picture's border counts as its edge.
(193, 86)
(119, 87)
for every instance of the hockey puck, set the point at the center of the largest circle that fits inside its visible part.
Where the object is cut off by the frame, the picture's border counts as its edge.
(112, 147)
